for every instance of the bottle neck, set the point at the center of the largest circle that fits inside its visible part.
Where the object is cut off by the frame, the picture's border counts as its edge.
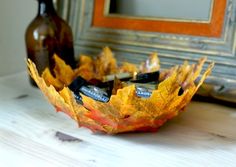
(46, 7)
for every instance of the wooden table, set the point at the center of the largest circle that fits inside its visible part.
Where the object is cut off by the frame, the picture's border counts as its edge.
(31, 135)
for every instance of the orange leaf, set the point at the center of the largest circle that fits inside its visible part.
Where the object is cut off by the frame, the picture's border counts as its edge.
(125, 111)
(128, 67)
(151, 64)
(105, 63)
(63, 72)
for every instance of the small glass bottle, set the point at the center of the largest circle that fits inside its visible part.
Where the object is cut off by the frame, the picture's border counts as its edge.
(46, 35)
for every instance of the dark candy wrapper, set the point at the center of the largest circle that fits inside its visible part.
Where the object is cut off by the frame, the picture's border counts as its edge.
(146, 77)
(80, 85)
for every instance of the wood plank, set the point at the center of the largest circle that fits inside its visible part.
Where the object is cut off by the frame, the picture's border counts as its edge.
(34, 152)
(202, 136)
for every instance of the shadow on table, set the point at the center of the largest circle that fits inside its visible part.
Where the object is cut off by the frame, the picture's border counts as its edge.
(203, 125)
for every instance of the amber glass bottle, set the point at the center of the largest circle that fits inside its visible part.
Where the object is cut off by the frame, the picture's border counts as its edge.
(46, 35)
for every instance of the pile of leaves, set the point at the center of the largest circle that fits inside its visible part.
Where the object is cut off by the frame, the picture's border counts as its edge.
(125, 111)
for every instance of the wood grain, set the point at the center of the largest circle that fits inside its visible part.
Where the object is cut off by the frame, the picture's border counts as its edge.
(203, 136)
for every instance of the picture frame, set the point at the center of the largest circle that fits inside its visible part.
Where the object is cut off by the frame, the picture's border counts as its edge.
(133, 39)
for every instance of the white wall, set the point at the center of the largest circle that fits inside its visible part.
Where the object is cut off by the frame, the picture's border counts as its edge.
(15, 15)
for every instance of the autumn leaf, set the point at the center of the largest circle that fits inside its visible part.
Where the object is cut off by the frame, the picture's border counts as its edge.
(125, 111)
(51, 80)
(151, 64)
(63, 72)
(86, 68)
(128, 67)
(105, 63)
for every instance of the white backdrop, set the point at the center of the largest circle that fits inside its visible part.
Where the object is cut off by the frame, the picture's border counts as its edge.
(15, 15)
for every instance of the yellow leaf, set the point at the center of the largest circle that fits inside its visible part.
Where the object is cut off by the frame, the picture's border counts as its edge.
(151, 64)
(105, 63)
(128, 67)
(63, 72)
(51, 80)
(125, 111)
